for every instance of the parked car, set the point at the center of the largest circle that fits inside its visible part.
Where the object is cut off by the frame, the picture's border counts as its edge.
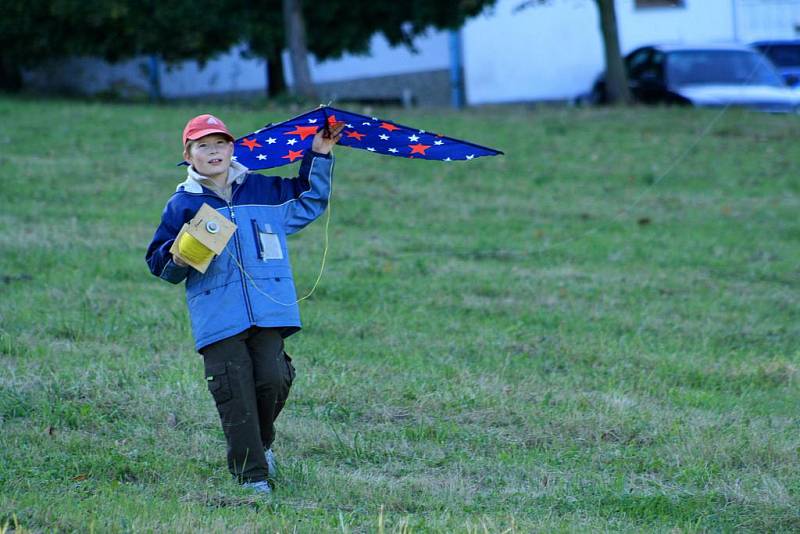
(785, 55)
(709, 75)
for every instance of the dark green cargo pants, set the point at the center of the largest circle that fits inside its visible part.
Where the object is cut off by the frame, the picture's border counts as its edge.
(249, 375)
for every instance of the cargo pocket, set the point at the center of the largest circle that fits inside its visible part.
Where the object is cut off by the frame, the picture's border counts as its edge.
(290, 370)
(219, 383)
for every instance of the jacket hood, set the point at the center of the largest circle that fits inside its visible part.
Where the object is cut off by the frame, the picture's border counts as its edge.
(194, 181)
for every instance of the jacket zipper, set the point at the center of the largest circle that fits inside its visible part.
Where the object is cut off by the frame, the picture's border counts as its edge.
(238, 250)
(241, 260)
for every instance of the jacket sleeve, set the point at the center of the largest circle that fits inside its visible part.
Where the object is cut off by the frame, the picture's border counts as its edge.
(158, 256)
(310, 191)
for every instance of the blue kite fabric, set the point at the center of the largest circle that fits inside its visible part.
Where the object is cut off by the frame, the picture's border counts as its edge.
(284, 143)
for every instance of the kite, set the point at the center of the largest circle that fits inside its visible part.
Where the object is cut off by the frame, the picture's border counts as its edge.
(285, 142)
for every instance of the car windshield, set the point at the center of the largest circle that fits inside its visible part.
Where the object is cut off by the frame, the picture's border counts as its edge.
(783, 55)
(729, 67)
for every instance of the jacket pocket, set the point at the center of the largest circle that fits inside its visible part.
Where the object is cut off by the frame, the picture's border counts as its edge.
(291, 372)
(268, 243)
(219, 383)
(273, 291)
(218, 309)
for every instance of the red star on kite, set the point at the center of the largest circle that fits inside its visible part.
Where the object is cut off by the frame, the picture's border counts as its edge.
(303, 131)
(332, 120)
(293, 155)
(355, 134)
(419, 148)
(250, 143)
(388, 126)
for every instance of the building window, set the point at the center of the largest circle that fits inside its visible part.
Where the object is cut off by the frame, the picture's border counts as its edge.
(643, 4)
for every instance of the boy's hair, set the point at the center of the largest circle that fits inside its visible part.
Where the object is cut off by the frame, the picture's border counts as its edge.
(190, 143)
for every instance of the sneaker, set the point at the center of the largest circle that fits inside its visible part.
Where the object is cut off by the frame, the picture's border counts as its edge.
(261, 486)
(272, 467)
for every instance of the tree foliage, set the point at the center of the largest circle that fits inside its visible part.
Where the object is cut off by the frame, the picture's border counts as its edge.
(35, 31)
(347, 26)
(39, 30)
(115, 29)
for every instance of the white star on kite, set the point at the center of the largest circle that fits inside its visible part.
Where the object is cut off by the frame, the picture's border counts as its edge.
(261, 156)
(365, 123)
(470, 156)
(392, 150)
(312, 121)
(271, 141)
(349, 125)
(370, 149)
(447, 159)
(438, 142)
(384, 137)
(413, 137)
(291, 141)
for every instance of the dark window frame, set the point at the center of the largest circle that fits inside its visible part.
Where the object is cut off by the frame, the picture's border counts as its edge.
(659, 4)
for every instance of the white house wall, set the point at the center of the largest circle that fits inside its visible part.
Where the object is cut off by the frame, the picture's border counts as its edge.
(767, 19)
(384, 60)
(555, 51)
(550, 51)
(226, 73)
(89, 75)
(700, 21)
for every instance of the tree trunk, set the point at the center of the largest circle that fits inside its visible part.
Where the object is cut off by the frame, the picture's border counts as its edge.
(295, 31)
(10, 76)
(276, 82)
(616, 78)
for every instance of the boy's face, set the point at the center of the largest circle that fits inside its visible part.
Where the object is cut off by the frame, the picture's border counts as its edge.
(210, 155)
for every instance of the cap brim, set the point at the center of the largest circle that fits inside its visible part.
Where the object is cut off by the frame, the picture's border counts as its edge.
(209, 131)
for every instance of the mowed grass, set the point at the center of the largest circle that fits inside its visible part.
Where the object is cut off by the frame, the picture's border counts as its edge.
(564, 338)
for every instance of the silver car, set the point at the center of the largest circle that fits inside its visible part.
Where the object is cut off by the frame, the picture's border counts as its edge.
(707, 75)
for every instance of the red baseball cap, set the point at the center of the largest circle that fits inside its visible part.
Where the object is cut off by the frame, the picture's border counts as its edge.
(204, 125)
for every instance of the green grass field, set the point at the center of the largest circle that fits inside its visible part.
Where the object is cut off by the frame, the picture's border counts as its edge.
(564, 338)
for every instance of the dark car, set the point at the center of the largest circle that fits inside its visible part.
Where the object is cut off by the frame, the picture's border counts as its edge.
(785, 55)
(708, 75)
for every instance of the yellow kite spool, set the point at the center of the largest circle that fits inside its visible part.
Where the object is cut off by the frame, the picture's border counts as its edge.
(193, 250)
(201, 238)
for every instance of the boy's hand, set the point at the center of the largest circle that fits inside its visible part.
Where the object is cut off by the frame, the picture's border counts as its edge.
(326, 137)
(178, 261)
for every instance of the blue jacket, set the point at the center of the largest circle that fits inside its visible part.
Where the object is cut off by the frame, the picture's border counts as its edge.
(224, 301)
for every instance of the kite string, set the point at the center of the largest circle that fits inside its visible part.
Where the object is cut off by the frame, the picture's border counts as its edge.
(193, 250)
(674, 164)
(682, 156)
(321, 267)
(324, 251)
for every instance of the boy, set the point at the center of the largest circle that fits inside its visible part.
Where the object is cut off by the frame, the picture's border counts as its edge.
(240, 316)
